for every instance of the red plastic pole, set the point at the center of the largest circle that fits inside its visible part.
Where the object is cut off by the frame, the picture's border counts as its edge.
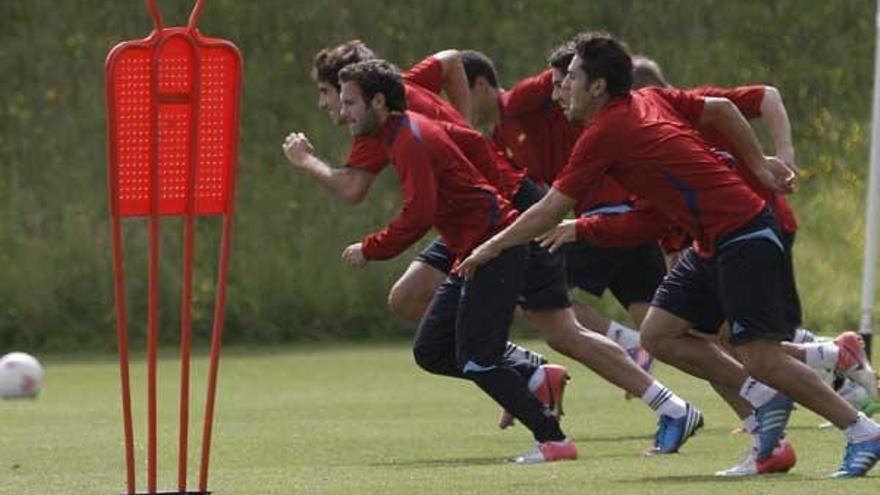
(122, 343)
(188, 247)
(216, 338)
(153, 277)
(119, 291)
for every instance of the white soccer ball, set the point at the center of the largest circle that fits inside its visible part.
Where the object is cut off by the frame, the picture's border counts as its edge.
(20, 375)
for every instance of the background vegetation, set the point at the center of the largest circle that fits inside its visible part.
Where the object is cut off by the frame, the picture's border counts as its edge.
(286, 281)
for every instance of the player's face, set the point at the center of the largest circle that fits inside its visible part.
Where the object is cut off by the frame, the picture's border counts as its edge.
(362, 119)
(560, 95)
(328, 100)
(585, 97)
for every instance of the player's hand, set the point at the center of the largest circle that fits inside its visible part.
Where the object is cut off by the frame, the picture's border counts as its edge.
(776, 175)
(354, 255)
(297, 148)
(563, 233)
(786, 154)
(478, 257)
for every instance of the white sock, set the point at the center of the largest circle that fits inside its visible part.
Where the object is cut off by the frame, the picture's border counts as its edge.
(663, 401)
(822, 355)
(803, 336)
(625, 336)
(756, 392)
(536, 379)
(863, 429)
(750, 424)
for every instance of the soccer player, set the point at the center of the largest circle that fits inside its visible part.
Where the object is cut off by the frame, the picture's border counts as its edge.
(465, 328)
(530, 126)
(648, 142)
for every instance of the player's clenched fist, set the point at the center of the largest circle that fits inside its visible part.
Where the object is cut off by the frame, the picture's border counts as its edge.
(354, 255)
(297, 148)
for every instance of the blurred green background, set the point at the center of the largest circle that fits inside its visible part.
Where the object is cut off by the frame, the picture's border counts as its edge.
(286, 280)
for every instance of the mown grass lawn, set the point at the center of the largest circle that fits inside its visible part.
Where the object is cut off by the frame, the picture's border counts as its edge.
(363, 420)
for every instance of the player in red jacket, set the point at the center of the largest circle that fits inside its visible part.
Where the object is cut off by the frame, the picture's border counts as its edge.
(465, 329)
(530, 126)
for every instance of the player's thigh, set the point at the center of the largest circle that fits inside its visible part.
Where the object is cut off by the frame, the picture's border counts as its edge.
(687, 298)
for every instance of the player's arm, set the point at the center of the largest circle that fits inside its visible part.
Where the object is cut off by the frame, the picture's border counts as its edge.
(775, 117)
(455, 83)
(630, 229)
(725, 117)
(540, 218)
(345, 182)
(765, 104)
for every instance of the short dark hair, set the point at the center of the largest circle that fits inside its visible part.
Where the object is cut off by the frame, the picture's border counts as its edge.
(561, 56)
(377, 76)
(607, 58)
(477, 64)
(329, 61)
(646, 73)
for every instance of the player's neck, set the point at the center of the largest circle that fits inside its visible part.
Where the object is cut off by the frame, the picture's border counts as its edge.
(594, 107)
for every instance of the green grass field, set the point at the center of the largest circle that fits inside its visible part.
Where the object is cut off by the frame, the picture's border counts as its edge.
(363, 420)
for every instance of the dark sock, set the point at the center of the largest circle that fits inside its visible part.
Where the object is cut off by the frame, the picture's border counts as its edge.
(511, 391)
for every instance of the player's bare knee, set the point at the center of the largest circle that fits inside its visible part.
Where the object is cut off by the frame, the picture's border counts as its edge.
(653, 341)
(397, 299)
(404, 302)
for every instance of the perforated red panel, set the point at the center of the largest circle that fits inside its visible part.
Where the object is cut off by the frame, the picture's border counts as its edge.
(195, 101)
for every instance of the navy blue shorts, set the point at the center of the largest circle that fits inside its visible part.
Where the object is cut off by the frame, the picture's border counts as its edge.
(743, 283)
(437, 255)
(632, 274)
(544, 284)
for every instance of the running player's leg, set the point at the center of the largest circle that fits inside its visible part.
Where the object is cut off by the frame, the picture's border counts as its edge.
(636, 278)
(594, 269)
(485, 312)
(434, 347)
(544, 298)
(750, 288)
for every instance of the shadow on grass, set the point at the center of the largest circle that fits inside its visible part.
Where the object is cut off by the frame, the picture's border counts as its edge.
(434, 463)
(708, 478)
(714, 431)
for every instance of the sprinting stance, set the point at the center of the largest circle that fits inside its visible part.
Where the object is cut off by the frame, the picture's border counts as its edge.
(648, 142)
(528, 123)
(464, 331)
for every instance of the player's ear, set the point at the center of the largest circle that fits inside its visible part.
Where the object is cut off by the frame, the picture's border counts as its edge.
(598, 86)
(378, 102)
(481, 83)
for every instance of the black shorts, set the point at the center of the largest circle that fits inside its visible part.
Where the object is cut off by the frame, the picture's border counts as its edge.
(742, 282)
(632, 274)
(544, 279)
(437, 255)
(792, 308)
